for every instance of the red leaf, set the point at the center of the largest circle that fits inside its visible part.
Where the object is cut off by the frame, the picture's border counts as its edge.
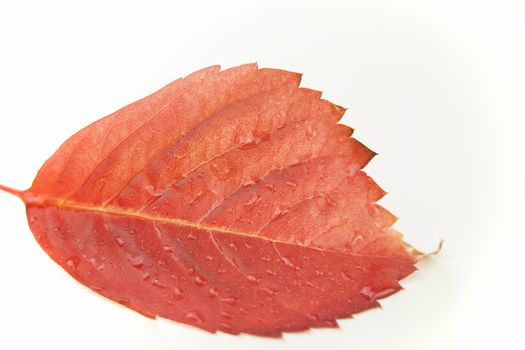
(231, 201)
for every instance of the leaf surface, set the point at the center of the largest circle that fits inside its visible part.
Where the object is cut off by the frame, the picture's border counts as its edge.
(229, 200)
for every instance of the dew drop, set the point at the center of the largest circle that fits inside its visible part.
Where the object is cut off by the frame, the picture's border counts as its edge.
(199, 281)
(167, 248)
(233, 246)
(177, 293)
(331, 323)
(192, 236)
(225, 327)
(252, 200)
(246, 138)
(310, 131)
(297, 283)
(119, 241)
(226, 314)
(367, 292)
(243, 311)
(269, 291)
(248, 146)
(146, 276)
(123, 302)
(291, 184)
(153, 191)
(230, 300)
(191, 271)
(384, 293)
(253, 279)
(136, 261)
(345, 276)
(356, 240)
(158, 283)
(304, 157)
(72, 263)
(265, 259)
(313, 317)
(209, 258)
(370, 294)
(287, 262)
(220, 168)
(278, 215)
(158, 232)
(271, 187)
(96, 288)
(213, 292)
(330, 201)
(271, 272)
(246, 183)
(194, 317)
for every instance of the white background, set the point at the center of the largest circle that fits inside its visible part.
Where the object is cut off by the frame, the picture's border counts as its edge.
(435, 87)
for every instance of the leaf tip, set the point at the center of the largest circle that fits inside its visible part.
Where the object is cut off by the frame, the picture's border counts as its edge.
(438, 249)
(340, 108)
(420, 255)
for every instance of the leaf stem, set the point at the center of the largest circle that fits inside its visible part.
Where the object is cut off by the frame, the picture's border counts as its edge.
(19, 194)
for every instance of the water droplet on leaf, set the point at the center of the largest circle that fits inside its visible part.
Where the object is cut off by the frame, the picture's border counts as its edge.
(158, 283)
(252, 200)
(194, 317)
(226, 314)
(213, 292)
(119, 241)
(73, 262)
(137, 261)
(177, 293)
(225, 327)
(253, 279)
(230, 300)
(199, 281)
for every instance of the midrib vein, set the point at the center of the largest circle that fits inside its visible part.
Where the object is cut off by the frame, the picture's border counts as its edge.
(60, 204)
(116, 211)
